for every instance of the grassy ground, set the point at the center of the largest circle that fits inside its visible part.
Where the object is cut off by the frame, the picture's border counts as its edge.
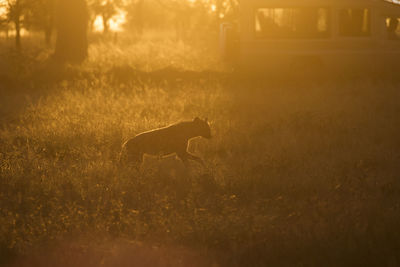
(300, 174)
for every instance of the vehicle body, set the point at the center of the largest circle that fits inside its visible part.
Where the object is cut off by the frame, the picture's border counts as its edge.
(343, 34)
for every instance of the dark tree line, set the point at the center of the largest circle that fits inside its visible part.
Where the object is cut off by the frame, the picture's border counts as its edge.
(71, 19)
(29, 14)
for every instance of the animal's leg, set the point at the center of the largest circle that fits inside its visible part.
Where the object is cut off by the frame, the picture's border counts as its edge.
(135, 158)
(196, 158)
(185, 156)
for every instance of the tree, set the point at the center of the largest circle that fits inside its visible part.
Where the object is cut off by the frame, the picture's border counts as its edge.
(3, 8)
(15, 12)
(72, 24)
(200, 15)
(106, 9)
(191, 19)
(3, 18)
(31, 14)
(40, 16)
(225, 10)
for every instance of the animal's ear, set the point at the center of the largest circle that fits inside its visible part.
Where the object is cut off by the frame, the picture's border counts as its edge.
(197, 119)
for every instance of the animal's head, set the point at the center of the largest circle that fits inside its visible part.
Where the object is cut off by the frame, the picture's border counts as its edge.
(202, 127)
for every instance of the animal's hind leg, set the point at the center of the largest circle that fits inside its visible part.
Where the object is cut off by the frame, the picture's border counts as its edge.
(135, 159)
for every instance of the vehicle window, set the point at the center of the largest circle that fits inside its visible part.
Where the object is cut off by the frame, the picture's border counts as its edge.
(393, 29)
(292, 23)
(354, 22)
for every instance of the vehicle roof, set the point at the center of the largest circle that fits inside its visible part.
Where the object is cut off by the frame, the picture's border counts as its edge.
(390, 7)
(386, 7)
(381, 10)
(391, 3)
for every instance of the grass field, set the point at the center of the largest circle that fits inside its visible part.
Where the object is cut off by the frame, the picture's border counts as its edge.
(297, 173)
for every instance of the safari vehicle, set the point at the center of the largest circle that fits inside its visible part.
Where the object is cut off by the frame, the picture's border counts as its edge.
(344, 34)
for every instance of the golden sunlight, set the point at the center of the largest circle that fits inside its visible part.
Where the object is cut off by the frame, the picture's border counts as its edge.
(199, 133)
(3, 11)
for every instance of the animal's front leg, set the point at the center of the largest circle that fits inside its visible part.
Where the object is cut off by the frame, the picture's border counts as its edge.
(196, 158)
(184, 160)
(185, 156)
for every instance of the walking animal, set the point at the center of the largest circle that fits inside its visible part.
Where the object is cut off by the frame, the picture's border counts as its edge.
(173, 139)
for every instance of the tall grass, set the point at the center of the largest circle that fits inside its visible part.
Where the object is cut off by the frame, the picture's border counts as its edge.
(301, 174)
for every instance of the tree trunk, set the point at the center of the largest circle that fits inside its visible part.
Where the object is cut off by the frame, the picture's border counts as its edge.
(17, 33)
(49, 27)
(48, 35)
(72, 24)
(218, 8)
(106, 25)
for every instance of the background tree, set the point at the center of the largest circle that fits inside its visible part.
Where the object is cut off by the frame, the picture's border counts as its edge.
(189, 19)
(72, 24)
(106, 9)
(4, 26)
(15, 13)
(225, 10)
(3, 18)
(40, 16)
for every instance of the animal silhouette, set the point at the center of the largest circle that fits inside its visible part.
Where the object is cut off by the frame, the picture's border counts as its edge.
(173, 139)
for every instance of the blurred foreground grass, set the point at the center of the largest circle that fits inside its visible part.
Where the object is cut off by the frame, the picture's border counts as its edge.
(297, 174)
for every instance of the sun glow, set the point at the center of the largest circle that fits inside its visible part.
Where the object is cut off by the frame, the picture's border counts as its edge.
(213, 8)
